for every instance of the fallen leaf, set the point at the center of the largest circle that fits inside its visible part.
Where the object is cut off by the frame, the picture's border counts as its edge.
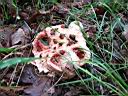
(10, 91)
(19, 37)
(5, 35)
(28, 76)
(42, 87)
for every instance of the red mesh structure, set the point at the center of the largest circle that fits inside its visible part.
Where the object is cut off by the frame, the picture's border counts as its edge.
(60, 49)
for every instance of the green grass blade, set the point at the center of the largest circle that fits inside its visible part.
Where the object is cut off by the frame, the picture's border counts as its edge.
(6, 50)
(14, 61)
(113, 88)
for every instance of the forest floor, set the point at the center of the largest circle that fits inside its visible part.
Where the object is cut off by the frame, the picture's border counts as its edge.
(105, 32)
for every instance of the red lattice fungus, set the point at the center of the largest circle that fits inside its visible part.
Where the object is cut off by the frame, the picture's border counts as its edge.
(60, 49)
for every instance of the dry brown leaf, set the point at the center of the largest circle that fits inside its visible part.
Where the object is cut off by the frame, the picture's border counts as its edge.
(42, 87)
(5, 35)
(28, 76)
(19, 37)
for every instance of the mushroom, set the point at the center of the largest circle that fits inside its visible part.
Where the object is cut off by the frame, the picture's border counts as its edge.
(65, 48)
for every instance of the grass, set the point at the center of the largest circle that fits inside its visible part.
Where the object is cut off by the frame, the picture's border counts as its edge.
(4, 10)
(14, 61)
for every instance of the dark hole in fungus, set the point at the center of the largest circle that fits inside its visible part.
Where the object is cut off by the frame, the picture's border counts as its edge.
(70, 42)
(45, 40)
(62, 36)
(55, 58)
(60, 44)
(79, 52)
(54, 48)
(54, 30)
(52, 33)
(38, 46)
(72, 37)
(62, 52)
(55, 41)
